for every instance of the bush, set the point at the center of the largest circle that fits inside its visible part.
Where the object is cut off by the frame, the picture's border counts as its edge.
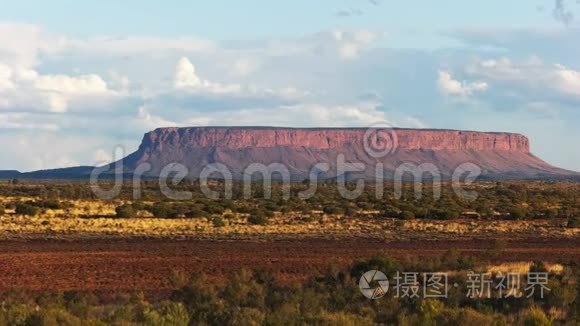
(573, 222)
(407, 215)
(26, 209)
(125, 211)
(443, 214)
(50, 204)
(214, 208)
(161, 210)
(535, 316)
(258, 219)
(196, 213)
(218, 222)
(516, 214)
(332, 210)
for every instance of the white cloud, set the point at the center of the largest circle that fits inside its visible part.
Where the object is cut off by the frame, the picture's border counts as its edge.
(21, 45)
(149, 121)
(187, 79)
(567, 80)
(74, 86)
(350, 44)
(449, 86)
(27, 89)
(532, 72)
(22, 87)
(102, 157)
(6, 82)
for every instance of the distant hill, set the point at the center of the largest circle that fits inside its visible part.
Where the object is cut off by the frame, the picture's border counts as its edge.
(9, 174)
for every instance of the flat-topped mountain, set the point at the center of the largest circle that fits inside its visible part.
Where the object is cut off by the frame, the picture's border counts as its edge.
(232, 138)
(499, 155)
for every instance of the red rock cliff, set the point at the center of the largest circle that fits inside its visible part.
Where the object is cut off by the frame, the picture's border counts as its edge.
(328, 138)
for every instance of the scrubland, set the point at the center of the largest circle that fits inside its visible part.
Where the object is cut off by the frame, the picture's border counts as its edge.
(94, 219)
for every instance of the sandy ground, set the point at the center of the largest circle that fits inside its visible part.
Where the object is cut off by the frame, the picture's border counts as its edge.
(113, 266)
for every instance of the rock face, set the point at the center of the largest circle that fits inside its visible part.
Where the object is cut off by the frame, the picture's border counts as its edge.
(499, 155)
(328, 139)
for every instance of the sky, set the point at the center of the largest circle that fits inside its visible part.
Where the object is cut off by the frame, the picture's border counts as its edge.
(78, 79)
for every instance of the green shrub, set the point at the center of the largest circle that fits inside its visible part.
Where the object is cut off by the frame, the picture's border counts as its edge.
(258, 219)
(161, 210)
(443, 214)
(218, 222)
(125, 211)
(536, 317)
(196, 213)
(214, 208)
(407, 215)
(516, 214)
(574, 222)
(49, 203)
(53, 317)
(332, 210)
(26, 209)
(167, 313)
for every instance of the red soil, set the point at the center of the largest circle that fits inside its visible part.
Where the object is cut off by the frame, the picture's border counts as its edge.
(119, 266)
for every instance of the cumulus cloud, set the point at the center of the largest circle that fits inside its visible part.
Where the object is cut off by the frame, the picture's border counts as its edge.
(23, 88)
(26, 89)
(22, 45)
(350, 44)
(186, 78)
(6, 82)
(532, 73)
(150, 121)
(449, 86)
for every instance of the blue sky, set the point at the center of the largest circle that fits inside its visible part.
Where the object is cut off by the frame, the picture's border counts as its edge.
(224, 20)
(78, 78)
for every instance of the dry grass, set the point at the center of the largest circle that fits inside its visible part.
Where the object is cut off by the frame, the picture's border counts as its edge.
(522, 268)
(73, 222)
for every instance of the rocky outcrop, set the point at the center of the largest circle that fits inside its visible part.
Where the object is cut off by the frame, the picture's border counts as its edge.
(499, 155)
